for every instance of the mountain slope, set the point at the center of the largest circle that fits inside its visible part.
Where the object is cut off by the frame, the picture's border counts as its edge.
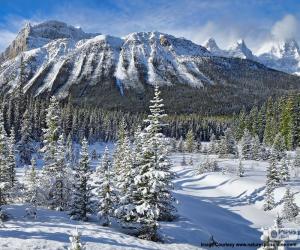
(120, 72)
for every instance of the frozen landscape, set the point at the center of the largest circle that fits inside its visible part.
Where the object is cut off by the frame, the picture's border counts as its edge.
(220, 204)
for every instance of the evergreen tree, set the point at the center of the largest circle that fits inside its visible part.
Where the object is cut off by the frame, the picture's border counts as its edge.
(25, 145)
(50, 150)
(241, 170)
(256, 148)
(278, 147)
(269, 201)
(104, 190)
(4, 168)
(180, 145)
(152, 197)
(246, 146)
(272, 182)
(296, 163)
(11, 158)
(81, 204)
(284, 170)
(290, 208)
(227, 144)
(286, 123)
(75, 241)
(190, 144)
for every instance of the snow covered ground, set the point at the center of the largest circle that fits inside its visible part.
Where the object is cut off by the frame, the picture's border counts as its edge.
(224, 206)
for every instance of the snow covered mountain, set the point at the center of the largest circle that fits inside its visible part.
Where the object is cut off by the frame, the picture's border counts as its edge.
(239, 50)
(280, 55)
(59, 59)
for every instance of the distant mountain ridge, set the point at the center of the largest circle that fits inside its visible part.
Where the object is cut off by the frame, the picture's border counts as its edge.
(57, 59)
(279, 55)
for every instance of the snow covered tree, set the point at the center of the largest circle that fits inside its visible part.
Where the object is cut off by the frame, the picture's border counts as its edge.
(284, 170)
(279, 147)
(4, 168)
(296, 163)
(31, 184)
(60, 193)
(75, 241)
(190, 144)
(227, 144)
(269, 201)
(271, 183)
(51, 136)
(11, 158)
(246, 145)
(278, 221)
(273, 177)
(81, 203)
(25, 145)
(180, 145)
(241, 170)
(153, 200)
(104, 190)
(213, 145)
(290, 208)
(256, 149)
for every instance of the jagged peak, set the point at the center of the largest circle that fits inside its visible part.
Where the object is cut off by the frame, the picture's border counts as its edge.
(211, 45)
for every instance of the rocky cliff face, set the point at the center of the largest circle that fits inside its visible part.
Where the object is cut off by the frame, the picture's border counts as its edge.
(118, 72)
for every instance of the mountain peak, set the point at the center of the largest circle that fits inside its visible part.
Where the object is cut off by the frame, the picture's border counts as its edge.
(211, 45)
(241, 50)
(37, 35)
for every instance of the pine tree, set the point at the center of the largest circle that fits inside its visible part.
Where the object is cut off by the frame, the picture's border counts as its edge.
(32, 191)
(50, 150)
(272, 182)
(278, 147)
(241, 170)
(180, 146)
(286, 123)
(75, 241)
(290, 208)
(152, 197)
(296, 163)
(61, 178)
(256, 148)
(104, 190)
(11, 158)
(4, 169)
(82, 204)
(269, 201)
(284, 170)
(25, 145)
(247, 146)
(227, 144)
(190, 143)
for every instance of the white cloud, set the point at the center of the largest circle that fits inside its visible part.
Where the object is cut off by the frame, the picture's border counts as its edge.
(6, 37)
(285, 28)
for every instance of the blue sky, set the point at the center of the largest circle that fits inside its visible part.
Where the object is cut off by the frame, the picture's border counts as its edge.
(255, 21)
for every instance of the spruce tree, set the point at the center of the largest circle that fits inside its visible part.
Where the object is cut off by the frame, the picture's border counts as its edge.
(241, 170)
(247, 146)
(75, 241)
(278, 147)
(25, 145)
(153, 200)
(81, 203)
(105, 190)
(11, 158)
(290, 208)
(284, 170)
(190, 144)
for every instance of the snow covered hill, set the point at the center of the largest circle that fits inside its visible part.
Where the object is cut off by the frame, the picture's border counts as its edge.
(59, 59)
(224, 206)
